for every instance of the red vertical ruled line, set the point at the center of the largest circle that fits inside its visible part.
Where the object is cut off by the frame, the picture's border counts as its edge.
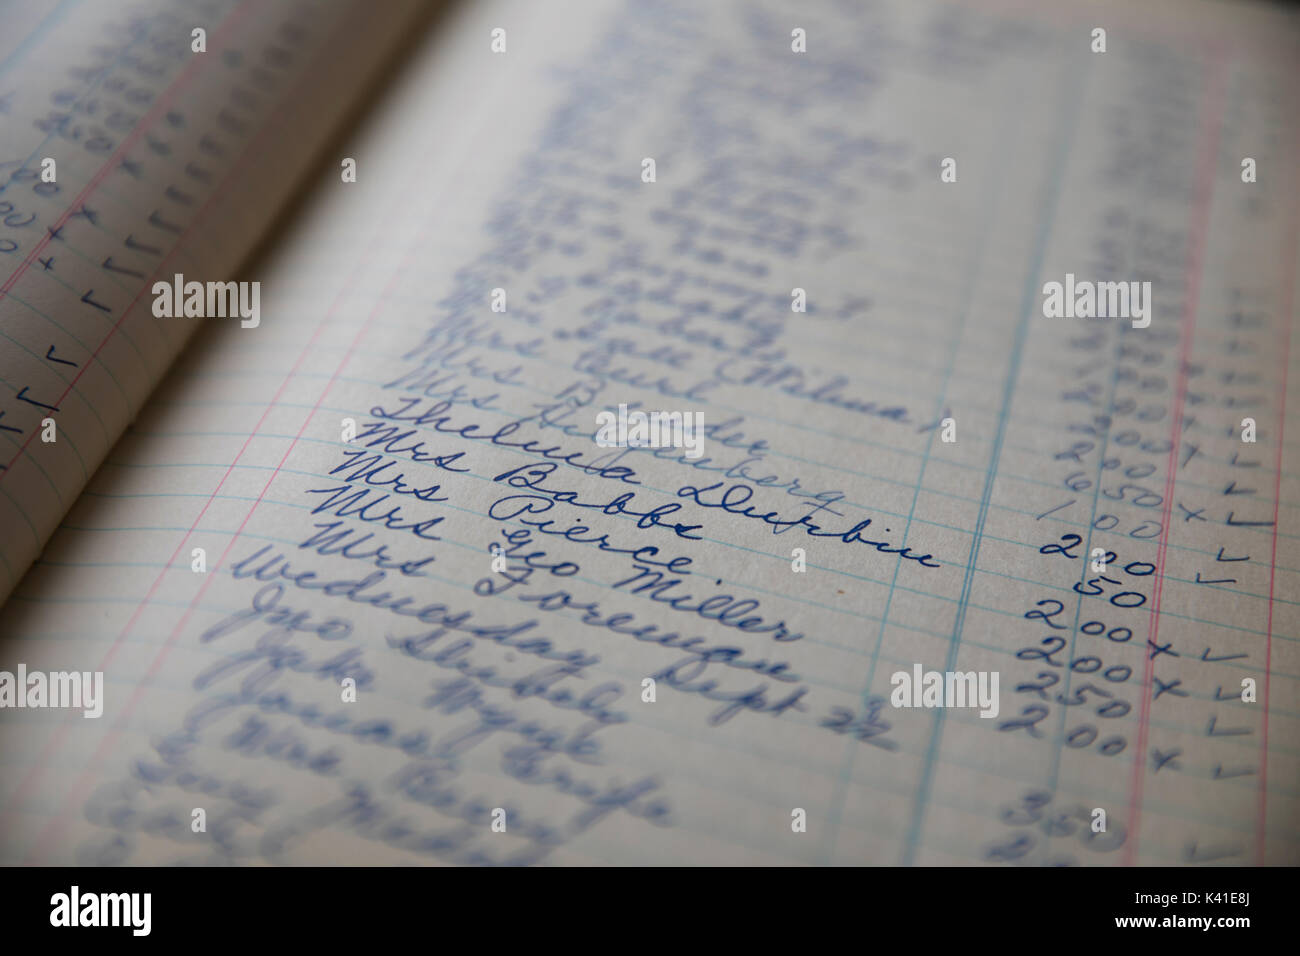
(1196, 245)
(1284, 360)
(53, 830)
(169, 94)
(232, 177)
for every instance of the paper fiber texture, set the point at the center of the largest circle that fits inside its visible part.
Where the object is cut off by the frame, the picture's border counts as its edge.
(162, 162)
(437, 622)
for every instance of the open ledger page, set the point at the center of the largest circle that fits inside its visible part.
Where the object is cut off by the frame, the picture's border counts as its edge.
(387, 580)
(133, 150)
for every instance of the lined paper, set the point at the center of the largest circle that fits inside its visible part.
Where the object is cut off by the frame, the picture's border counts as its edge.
(522, 690)
(166, 161)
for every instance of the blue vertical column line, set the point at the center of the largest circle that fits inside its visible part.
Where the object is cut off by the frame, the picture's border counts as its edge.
(987, 215)
(1118, 334)
(1069, 99)
(22, 49)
